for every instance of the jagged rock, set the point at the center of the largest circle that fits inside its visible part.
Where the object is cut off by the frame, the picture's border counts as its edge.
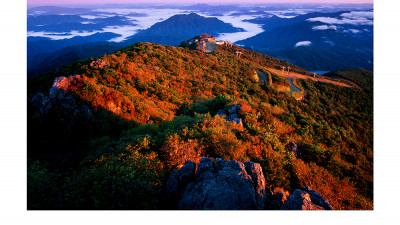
(292, 147)
(221, 113)
(59, 87)
(180, 178)
(83, 113)
(218, 184)
(234, 109)
(255, 171)
(277, 199)
(186, 173)
(67, 102)
(318, 199)
(41, 103)
(302, 200)
(60, 104)
(172, 183)
(231, 115)
(234, 118)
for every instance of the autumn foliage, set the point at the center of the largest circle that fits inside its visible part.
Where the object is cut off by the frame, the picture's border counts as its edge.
(156, 106)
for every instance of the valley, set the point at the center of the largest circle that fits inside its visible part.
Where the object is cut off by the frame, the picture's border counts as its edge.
(279, 30)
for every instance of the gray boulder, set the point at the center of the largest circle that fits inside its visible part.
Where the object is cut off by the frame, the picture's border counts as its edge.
(84, 113)
(59, 87)
(218, 185)
(277, 198)
(231, 115)
(172, 183)
(257, 176)
(221, 113)
(234, 118)
(318, 199)
(234, 109)
(40, 103)
(303, 200)
(186, 173)
(60, 104)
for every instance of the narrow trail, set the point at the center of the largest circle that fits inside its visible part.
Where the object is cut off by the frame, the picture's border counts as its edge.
(301, 76)
(346, 80)
(293, 88)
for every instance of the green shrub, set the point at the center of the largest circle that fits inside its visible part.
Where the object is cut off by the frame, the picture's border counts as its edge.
(128, 180)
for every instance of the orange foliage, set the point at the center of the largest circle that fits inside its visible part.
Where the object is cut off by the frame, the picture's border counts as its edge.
(340, 193)
(176, 151)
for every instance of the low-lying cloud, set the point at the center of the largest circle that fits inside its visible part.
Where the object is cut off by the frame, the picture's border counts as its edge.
(358, 14)
(302, 43)
(325, 27)
(330, 20)
(352, 18)
(251, 29)
(354, 31)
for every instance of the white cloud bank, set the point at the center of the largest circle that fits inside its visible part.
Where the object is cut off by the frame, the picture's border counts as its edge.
(354, 31)
(358, 15)
(153, 16)
(352, 18)
(325, 27)
(250, 29)
(59, 35)
(330, 20)
(302, 43)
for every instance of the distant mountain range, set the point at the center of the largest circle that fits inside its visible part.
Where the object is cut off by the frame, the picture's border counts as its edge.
(312, 43)
(172, 31)
(315, 41)
(46, 62)
(68, 23)
(38, 45)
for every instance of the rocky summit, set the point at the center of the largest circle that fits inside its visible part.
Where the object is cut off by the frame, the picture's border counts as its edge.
(306, 199)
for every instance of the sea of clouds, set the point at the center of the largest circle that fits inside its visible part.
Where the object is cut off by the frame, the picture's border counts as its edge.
(143, 18)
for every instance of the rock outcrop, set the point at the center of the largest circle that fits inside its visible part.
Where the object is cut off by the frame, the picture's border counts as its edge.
(40, 103)
(59, 87)
(231, 114)
(217, 185)
(292, 147)
(223, 185)
(306, 199)
(257, 176)
(277, 199)
(60, 104)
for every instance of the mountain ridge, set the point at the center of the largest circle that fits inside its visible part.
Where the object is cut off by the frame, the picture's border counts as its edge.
(117, 126)
(181, 27)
